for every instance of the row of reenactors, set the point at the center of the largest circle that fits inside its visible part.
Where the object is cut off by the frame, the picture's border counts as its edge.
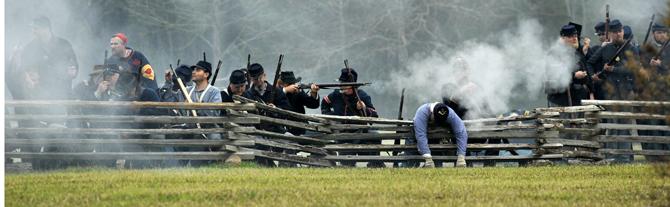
(595, 77)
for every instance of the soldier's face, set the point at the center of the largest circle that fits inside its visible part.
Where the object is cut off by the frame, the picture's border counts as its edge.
(347, 90)
(661, 36)
(42, 33)
(117, 46)
(199, 75)
(616, 35)
(238, 89)
(571, 40)
(258, 80)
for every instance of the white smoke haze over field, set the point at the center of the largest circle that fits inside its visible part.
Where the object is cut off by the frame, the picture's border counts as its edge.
(484, 77)
(508, 45)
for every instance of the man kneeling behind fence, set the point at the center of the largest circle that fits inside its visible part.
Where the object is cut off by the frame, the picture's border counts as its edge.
(439, 114)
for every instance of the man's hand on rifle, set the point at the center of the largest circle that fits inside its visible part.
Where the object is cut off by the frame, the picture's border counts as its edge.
(604, 43)
(293, 88)
(360, 105)
(595, 77)
(314, 90)
(608, 68)
(655, 62)
(102, 87)
(587, 44)
(272, 105)
(168, 75)
(580, 74)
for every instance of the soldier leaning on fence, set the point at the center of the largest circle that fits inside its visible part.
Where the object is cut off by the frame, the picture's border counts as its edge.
(266, 93)
(343, 102)
(578, 88)
(202, 91)
(237, 85)
(439, 114)
(298, 98)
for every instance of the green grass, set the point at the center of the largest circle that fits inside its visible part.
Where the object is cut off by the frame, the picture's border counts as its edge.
(619, 185)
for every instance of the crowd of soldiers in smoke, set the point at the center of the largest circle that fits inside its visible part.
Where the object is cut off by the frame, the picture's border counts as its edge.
(616, 66)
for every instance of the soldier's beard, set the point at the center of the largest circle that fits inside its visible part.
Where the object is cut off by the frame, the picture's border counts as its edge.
(575, 45)
(618, 41)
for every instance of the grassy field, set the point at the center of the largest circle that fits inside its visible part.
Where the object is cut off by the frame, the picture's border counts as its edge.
(619, 185)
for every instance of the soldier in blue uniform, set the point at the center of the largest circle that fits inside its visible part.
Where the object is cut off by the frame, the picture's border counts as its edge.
(170, 91)
(237, 85)
(298, 99)
(266, 93)
(343, 102)
(619, 77)
(596, 82)
(619, 80)
(578, 88)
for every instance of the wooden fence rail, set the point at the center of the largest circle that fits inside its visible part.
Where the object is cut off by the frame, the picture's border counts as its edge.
(555, 134)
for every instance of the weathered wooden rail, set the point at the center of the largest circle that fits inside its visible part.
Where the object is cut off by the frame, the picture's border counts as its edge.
(643, 124)
(555, 134)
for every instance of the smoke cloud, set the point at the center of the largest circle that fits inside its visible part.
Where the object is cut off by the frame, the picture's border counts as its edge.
(484, 77)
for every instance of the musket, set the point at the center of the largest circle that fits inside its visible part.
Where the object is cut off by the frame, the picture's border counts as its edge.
(104, 62)
(182, 88)
(246, 74)
(276, 79)
(331, 85)
(607, 22)
(204, 57)
(612, 60)
(216, 72)
(397, 140)
(651, 23)
(355, 89)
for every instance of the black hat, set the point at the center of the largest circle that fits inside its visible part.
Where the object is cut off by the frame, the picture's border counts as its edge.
(346, 76)
(659, 27)
(288, 77)
(184, 72)
(238, 77)
(440, 113)
(568, 30)
(615, 26)
(111, 69)
(600, 27)
(204, 65)
(627, 32)
(255, 70)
